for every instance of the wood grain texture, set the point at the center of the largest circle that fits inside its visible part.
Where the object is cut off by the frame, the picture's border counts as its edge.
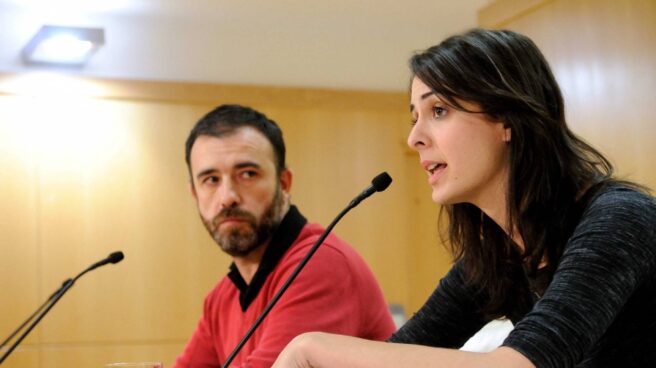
(85, 176)
(603, 55)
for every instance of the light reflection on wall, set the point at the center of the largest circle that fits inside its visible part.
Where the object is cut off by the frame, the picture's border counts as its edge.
(51, 85)
(56, 121)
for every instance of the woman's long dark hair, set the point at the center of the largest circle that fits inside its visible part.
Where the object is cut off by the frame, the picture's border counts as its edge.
(508, 77)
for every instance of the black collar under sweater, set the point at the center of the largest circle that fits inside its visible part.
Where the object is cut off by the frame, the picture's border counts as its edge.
(289, 229)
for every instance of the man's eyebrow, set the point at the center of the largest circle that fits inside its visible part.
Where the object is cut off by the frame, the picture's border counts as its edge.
(205, 172)
(422, 97)
(242, 165)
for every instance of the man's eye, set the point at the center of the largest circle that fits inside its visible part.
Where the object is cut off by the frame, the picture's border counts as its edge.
(248, 174)
(211, 180)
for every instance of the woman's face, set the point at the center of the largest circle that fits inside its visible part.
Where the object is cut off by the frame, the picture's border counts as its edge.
(464, 154)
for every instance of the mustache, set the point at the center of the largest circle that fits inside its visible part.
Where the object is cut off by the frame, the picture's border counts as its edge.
(233, 212)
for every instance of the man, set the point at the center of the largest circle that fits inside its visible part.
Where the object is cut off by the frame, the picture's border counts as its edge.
(236, 160)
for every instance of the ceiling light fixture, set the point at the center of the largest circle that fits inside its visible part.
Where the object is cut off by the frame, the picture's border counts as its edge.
(63, 46)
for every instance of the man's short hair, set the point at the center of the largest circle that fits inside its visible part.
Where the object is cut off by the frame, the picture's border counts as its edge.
(226, 119)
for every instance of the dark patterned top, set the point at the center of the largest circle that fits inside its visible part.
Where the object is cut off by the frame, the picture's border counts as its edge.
(599, 310)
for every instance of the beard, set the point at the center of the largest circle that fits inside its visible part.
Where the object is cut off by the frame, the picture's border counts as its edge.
(239, 241)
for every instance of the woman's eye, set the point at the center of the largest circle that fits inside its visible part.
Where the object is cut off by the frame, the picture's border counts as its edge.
(438, 111)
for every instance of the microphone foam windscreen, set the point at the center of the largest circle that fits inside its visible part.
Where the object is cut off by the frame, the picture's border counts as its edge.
(116, 257)
(381, 181)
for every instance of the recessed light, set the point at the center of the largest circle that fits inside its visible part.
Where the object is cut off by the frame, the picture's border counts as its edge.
(63, 46)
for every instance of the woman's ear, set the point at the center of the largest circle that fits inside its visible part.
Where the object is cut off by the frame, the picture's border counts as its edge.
(507, 134)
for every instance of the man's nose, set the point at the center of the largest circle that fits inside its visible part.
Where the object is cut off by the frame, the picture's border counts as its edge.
(229, 195)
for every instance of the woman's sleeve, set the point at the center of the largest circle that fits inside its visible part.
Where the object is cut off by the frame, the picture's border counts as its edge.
(610, 255)
(447, 319)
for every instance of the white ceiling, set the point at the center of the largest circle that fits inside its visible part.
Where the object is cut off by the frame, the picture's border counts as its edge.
(343, 44)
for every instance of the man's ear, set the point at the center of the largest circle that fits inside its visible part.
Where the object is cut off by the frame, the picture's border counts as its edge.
(192, 190)
(286, 181)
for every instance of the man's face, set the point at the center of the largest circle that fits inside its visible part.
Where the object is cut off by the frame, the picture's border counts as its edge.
(240, 196)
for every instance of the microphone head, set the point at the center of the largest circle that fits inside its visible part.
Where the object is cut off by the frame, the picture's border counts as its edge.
(381, 181)
(116, 257)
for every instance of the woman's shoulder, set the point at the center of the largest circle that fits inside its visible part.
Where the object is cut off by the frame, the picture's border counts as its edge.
(617, 197)
(621, 212)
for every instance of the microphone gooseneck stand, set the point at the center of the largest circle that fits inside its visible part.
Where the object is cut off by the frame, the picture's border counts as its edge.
(54, 298)
(34, 314)
(378, 184)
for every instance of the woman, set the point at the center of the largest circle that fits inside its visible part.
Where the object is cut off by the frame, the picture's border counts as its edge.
(540, 230)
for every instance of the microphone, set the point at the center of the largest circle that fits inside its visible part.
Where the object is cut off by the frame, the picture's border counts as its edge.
(115, 257)
(378, 184)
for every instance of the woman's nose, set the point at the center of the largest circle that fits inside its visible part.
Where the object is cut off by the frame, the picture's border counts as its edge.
(418, 139)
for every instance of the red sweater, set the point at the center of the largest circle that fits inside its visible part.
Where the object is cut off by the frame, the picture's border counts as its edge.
(335, 292)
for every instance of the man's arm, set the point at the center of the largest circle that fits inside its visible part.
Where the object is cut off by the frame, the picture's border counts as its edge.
(199, 352)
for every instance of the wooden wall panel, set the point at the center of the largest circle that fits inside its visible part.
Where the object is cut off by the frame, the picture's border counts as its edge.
(109, 175)
(91, 173)
(82, 177)
(603, 55)
(20, 270)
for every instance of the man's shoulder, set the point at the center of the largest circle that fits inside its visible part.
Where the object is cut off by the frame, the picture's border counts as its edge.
(332, 243)
(333, 253)
(224, 287)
